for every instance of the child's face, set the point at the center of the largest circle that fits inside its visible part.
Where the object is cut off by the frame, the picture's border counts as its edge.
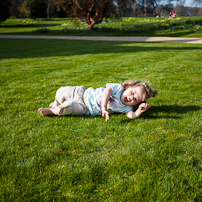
(132, 96)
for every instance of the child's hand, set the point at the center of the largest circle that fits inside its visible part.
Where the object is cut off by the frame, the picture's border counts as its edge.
(143, 107)
(106, 114)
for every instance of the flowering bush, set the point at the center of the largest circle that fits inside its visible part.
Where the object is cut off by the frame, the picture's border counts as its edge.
(139, 25)
(127, 25)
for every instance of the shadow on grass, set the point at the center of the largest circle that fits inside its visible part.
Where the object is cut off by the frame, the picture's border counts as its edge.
(33, 48)
(54, 19)
(169, 111)
(156, 112)
(134, 31)
(27, 26)
(176, 34)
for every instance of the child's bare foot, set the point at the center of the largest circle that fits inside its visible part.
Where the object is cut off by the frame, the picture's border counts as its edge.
(51, 104)
(45, 111)
(49, 111)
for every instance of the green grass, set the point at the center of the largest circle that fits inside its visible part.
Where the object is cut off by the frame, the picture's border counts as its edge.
(140, 26)
(154, 158)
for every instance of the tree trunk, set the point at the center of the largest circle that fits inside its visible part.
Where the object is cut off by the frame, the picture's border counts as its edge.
(48, 10)
(90, 26)
(135, 9)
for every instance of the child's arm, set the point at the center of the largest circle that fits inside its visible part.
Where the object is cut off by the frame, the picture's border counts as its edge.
(105, 99)
(142, 108)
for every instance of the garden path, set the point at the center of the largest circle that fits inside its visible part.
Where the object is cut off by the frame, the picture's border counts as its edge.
(110, 38)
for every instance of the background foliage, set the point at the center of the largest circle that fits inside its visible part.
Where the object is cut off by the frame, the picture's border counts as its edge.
(34, 8)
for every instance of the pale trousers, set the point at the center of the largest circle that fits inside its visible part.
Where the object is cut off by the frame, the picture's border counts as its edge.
(70, 101)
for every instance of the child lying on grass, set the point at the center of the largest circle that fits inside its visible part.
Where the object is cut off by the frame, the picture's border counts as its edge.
(115, 98)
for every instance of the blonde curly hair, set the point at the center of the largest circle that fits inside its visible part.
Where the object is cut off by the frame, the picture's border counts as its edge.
(148, 91)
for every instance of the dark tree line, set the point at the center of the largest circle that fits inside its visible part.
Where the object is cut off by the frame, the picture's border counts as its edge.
(92, 11)
(4, 10)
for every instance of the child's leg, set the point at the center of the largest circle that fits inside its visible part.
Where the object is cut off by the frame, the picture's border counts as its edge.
(66, 108)
(65, 93)
(49, 111)
(71, 108)
(51, 104)
(68, 101)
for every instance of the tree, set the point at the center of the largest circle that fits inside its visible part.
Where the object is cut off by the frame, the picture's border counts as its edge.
(52, 9)
(148, 7)
(130, 9)
(179, 8)
(14, 8)
(35, 8)
(134, 7)
(197, 2)
(92, 11)
(4, 10)
(200, 11)
(164, 10)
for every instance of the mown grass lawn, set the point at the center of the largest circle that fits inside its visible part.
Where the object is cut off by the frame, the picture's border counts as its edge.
(127, 26)
(154, 158)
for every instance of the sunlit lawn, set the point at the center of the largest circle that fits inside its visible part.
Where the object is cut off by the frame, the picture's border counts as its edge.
(154, 158)
(133, 26)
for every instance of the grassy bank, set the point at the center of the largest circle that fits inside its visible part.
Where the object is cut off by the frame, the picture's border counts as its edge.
(154, 158)
(148, 26)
